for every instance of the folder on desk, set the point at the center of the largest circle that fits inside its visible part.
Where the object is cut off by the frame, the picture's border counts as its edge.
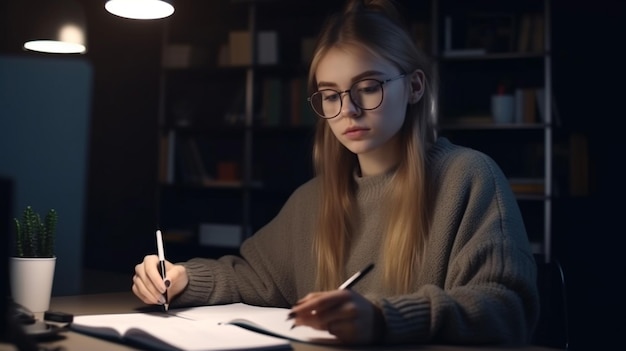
(223, 327)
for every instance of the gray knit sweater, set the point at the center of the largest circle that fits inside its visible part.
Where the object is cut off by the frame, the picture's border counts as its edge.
(477, 284)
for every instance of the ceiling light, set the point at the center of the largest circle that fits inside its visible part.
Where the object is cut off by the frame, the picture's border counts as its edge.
(140, 9)
(57, 27)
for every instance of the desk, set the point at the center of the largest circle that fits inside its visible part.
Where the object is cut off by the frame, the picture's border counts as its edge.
(127, 302)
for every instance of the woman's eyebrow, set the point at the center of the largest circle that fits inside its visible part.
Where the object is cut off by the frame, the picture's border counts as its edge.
(367, 74)
(370, 73)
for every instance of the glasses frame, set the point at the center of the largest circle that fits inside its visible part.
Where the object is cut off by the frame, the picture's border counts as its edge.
(340, 93)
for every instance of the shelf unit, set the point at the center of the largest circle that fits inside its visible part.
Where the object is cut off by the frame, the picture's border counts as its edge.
(478, 67)
(214, 120)
(274, 158)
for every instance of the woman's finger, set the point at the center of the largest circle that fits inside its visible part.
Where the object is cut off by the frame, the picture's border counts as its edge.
(154, 275)
(177, 278)
(318, 309)
(144, 284)
(143, 293)
(343, 313)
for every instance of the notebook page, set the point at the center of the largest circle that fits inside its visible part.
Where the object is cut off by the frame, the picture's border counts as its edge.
(270, 320)
(176, 333)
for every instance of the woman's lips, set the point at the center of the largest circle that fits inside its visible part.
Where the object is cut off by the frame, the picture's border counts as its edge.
(355, 133)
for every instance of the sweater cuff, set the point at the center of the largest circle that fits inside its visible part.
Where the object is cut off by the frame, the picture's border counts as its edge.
(407, 319)
(200, 286)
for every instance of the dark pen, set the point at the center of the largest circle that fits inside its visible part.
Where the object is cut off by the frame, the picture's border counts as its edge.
(346, 285)
(161, 254)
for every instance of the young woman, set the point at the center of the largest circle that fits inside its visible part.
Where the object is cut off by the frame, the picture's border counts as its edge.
(452, 259)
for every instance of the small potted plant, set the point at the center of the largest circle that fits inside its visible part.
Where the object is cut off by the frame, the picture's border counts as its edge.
(33, 262)
(34, 237)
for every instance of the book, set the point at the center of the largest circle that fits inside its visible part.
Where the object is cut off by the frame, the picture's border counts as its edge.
(527, 186)
(525, 106)
(529, 109)
(538, 34)
(272, 101)
(236, 326)
(297, 99)
(198, 164)
(478, 33)
(540, 96)
(191, 165)
(300, 112)
(519, 106)
(525, 27)
(240, 48)
(184, 56)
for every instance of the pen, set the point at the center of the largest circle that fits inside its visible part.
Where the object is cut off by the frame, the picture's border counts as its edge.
(159, 238)
(347, 284)
(356, 277)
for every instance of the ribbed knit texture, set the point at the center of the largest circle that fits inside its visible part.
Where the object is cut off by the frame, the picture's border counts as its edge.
(477, 285)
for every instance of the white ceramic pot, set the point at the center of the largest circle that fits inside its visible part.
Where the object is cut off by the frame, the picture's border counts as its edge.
(31, 282)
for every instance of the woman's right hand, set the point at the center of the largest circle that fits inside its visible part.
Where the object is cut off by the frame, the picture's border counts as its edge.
(148, 285)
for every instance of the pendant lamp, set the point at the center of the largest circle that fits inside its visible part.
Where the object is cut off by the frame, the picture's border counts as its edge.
(58, 26)
(140, 9)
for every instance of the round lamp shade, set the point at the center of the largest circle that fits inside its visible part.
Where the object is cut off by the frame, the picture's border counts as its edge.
(58, 26)
(140, 9)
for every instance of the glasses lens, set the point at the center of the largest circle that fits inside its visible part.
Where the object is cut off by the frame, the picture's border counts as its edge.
(367, 94)
(326, 103)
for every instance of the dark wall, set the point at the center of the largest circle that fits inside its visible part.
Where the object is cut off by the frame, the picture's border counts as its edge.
(122, 184)
(588, 231)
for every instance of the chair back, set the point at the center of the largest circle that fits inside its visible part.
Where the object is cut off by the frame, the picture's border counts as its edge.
(552, 329)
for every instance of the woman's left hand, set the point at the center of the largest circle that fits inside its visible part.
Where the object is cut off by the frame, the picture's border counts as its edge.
(343, 313)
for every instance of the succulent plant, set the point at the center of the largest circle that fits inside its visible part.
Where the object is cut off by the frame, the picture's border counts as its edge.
(35, 238)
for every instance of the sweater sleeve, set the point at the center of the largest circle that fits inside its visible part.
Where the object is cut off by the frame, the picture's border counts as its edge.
(265, 271)
(479, 270)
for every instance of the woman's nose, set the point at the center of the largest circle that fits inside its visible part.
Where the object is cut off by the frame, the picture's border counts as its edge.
(348, 108)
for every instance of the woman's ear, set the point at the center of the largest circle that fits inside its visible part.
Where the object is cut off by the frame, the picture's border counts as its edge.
(417, 79)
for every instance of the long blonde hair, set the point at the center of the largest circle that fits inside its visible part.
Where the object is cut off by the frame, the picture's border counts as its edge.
(377, 27)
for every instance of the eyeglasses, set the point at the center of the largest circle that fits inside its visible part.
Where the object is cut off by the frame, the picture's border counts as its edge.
(366, 94)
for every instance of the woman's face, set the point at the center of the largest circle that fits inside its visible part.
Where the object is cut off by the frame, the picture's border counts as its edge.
(367, 133)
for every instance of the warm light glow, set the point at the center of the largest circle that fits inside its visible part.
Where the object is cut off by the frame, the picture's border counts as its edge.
(139, 9)
(71, 41)
(70, 33)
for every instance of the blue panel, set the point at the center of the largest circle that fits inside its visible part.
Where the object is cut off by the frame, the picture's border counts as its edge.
(45, 110)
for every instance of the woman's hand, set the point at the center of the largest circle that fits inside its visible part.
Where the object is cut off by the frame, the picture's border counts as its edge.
(344, 313)
(148, 285)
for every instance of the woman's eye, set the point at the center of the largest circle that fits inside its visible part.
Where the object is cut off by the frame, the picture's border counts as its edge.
(331, 97)
(368, 88)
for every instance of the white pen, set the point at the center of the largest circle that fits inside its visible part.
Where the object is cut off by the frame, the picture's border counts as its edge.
(355, 277)
(346, 285)
(159, 238)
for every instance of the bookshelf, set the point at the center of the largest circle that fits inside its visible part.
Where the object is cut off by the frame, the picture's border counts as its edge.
(235, 131)
(485, 49)
(250, 124)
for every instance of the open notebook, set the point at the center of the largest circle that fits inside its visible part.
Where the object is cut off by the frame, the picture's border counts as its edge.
(223, 327)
